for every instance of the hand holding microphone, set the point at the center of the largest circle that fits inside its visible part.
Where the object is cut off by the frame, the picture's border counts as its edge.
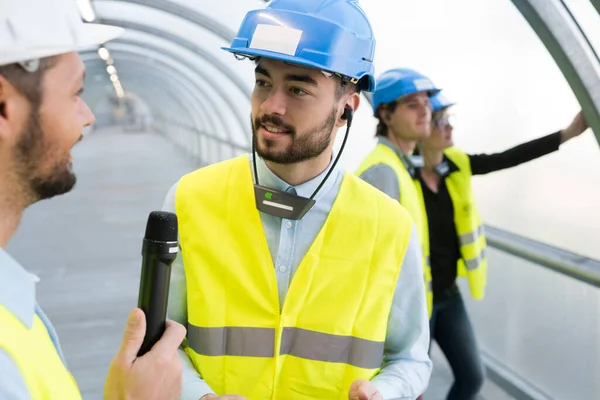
(154, 376)
(147, 365)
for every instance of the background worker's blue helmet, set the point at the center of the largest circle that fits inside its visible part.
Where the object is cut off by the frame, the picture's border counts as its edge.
(330, 35)
(439, 102)
(400, 82)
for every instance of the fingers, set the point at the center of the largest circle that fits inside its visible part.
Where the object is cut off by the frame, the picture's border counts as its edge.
(580, 121)
(171, 338)
(363, 390)
(133, 336)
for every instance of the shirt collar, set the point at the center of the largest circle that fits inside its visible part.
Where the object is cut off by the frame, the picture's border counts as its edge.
(17, 289)
(409, 162)
(267, 178)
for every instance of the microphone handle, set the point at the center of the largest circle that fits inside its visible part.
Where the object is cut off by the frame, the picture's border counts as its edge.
(154, 295)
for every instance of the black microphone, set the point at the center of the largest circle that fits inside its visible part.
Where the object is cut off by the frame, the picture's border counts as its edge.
(159, 250)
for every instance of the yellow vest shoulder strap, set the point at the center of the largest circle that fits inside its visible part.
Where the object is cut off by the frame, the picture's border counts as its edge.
(382, 154)
(214, 177)
(460, 158)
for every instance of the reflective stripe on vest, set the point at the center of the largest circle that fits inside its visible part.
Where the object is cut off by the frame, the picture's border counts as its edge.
(238, 339)
(302, 343)
(35, 355)
(475, 262)
(409, 199)
(471, 237)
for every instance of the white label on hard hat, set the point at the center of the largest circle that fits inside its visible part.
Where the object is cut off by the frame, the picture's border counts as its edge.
(423, 84)
(279, 39)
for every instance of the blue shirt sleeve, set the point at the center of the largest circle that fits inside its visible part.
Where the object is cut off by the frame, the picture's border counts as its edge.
(406, 364)
(12, 384)
(383, 178)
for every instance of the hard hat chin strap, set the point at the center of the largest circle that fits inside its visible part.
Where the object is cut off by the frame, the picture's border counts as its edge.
(30, 66)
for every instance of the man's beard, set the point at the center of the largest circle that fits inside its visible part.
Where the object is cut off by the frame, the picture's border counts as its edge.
(31, 152)
(304, 146)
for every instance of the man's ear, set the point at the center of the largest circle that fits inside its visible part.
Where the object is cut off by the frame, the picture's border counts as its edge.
(384, 115)
(12, 105)
(352, 103)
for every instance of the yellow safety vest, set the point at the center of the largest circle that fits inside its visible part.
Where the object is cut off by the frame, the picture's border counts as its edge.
(34, 354)
(332, 327)
(473, 263)
(409, 199)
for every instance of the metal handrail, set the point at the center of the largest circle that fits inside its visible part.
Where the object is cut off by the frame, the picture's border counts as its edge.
(574, 265)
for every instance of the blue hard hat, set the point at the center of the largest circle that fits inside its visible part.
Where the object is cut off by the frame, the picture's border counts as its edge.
(400, 82)
(331, 35)
(439, 102)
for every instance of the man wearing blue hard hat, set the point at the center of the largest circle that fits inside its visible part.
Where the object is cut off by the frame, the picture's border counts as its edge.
(457, 244)
(401, 103)
(296, 279)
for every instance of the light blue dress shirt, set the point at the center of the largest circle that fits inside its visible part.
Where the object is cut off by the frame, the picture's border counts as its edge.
(17, 295)
(406, 366)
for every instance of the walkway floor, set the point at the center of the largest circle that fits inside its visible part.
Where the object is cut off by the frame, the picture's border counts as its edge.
(85, 246)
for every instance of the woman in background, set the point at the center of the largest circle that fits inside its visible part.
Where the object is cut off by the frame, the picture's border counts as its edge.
(456, 238)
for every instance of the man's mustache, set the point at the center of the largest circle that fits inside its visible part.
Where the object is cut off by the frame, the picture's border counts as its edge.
(276, 121)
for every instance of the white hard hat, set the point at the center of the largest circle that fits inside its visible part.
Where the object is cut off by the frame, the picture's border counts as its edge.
(33, 29)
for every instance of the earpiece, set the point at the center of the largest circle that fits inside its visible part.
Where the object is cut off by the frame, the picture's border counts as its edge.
(348, 114)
